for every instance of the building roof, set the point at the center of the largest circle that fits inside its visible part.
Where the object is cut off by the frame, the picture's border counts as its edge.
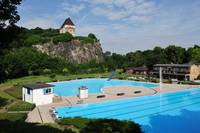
(172, 65)
(68, 21)
(137, 68)
(37, 86)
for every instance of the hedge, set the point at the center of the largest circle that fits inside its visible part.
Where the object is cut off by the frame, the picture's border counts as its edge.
(13, 116)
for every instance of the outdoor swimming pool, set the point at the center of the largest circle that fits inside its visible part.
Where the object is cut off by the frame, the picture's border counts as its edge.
(70, 88)
(177, 112)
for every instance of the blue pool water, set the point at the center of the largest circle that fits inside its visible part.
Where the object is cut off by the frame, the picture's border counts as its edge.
(177, 112)
(70, 88)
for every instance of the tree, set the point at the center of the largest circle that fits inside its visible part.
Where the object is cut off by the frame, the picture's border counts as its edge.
(195, 54)
(22, 61)
(175, 54)
(135, 59)
(92, 36)
(8, 12)
(107, 53)
(159, 55)
(2, 72)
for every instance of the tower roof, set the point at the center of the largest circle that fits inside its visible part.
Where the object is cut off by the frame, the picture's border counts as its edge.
(68, 21)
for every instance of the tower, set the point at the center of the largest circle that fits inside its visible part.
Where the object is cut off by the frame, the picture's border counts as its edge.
(68, 26)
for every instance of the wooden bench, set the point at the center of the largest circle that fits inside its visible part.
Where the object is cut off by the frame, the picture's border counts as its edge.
(136, 92)
(79, 102)
(101, 96)
(120, 94)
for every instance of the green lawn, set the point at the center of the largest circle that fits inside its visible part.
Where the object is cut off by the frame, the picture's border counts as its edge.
(6, 96)
(5, 99)
(46, 78)
(15, 91)
(21, 106)
(13, 116)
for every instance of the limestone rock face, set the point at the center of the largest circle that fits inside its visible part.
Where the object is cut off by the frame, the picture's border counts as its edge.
(75, 51)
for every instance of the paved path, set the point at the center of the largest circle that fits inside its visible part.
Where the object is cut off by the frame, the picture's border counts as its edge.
(34, 116)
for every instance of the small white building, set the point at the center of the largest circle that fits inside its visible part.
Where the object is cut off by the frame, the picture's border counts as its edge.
(68, 26)
(38, 94)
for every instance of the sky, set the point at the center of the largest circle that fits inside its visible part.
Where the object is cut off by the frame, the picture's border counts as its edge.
(121, 25)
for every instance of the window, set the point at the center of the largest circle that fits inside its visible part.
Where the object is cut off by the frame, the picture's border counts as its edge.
(47, 91)
(28, 91)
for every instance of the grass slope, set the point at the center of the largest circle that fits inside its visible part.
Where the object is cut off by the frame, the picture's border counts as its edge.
(21, 106)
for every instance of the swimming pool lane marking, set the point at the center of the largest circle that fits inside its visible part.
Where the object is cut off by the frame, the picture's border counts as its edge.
(132, 106)
(164, 111)
(130, 112)
(154, 99)
(132, 101)
(111, 110)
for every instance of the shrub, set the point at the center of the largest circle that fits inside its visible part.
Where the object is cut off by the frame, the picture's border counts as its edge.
(85, 39)
(50, 33)
(47, 71)
(92, 36)
(111, 126)
(3, 101)
(77, 122)
(24, 127)
(198, 78)
(101, 125)
(189, 83)
(52, 76)
(65, 70)
(62, 38)
(34, 39)
(13, 116)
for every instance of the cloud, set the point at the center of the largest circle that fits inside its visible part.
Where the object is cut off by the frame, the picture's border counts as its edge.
(109, 13)
(124, 25)
(129, 10)
(74, 9)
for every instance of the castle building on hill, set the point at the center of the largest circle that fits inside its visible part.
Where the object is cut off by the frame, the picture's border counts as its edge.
(68, 26)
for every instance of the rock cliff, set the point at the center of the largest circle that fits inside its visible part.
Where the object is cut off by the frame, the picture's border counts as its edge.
(75, 51)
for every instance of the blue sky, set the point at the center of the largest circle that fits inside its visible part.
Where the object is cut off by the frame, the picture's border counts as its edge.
(121, 25)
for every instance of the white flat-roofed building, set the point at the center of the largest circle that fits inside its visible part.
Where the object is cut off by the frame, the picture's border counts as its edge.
(38, 94)
(188, 71)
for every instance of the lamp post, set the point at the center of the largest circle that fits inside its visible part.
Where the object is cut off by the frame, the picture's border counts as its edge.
(160, 75)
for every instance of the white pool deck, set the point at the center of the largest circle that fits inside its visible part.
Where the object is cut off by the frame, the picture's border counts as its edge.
(41, 113)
